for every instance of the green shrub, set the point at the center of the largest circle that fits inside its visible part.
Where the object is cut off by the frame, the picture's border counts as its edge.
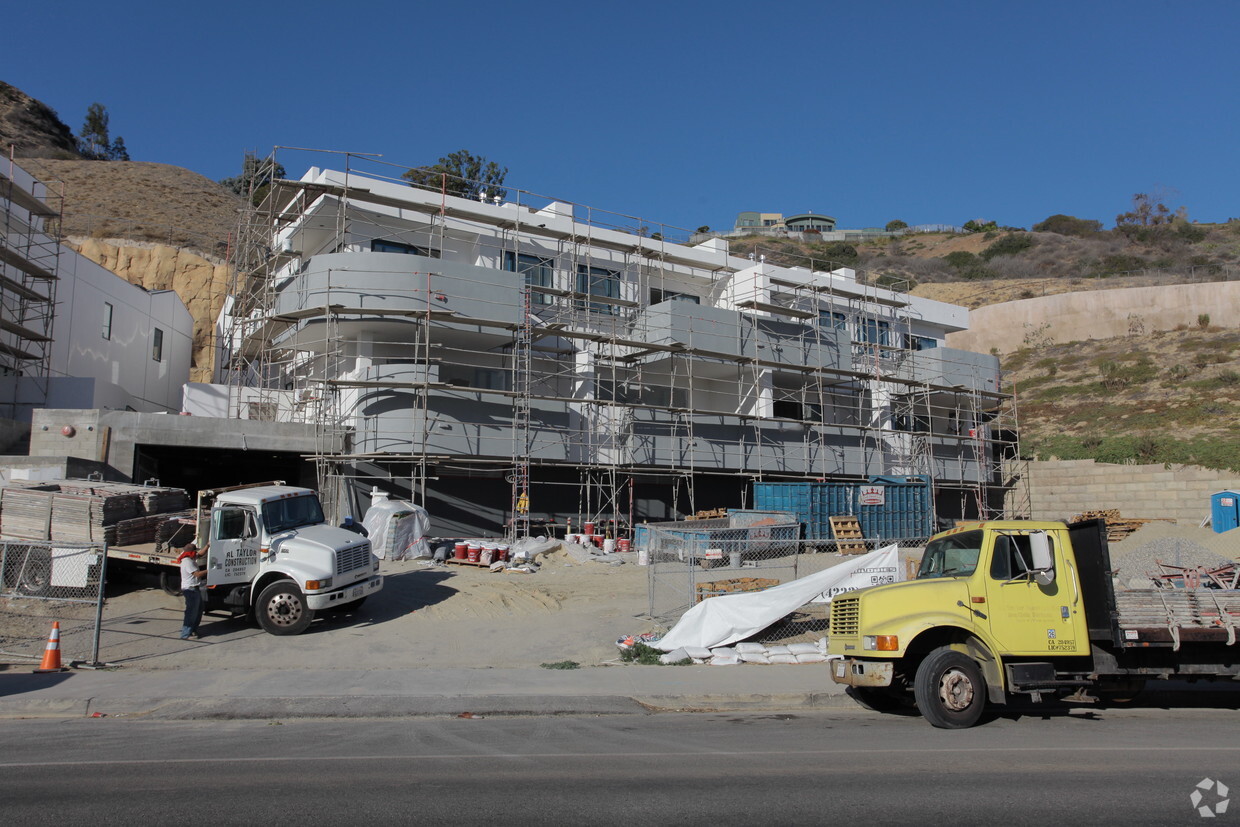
(1010, 245)
(1069, 225)
(1190, 232)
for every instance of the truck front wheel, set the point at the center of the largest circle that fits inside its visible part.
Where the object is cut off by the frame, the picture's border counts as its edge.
(949, 689)
(281, 609)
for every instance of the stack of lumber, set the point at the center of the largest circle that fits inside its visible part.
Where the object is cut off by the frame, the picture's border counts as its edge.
(733, 586)
(712, 514)
(1118, 527)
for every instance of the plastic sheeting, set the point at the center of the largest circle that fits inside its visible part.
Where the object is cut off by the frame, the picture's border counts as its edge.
(719, 621)
(397, 530)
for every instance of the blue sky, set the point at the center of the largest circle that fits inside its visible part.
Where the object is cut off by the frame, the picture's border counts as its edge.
(682, 113)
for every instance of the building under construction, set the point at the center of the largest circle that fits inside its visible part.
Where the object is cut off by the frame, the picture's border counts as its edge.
(506, 359)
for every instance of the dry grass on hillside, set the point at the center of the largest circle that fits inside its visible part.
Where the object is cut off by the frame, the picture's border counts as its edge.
(1170, 396)
(156, 203)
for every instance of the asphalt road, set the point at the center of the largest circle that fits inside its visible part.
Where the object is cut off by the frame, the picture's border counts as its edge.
(1104, 767)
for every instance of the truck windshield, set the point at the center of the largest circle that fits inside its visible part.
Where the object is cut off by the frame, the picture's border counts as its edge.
(281, 515)
(952, 556)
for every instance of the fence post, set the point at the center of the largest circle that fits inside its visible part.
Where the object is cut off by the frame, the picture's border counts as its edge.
(103, 573)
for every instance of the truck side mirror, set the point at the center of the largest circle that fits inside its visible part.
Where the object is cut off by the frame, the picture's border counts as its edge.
(1043, 560)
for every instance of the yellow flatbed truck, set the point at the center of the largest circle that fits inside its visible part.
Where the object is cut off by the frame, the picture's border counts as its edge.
(1015, 607)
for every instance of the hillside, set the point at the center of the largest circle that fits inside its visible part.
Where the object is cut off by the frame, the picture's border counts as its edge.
(155, 203)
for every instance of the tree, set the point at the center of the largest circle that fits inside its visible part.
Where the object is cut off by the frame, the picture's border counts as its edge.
(892, 226)
(1148, 211)
(461, 173)
(255, 178)
(93, 141)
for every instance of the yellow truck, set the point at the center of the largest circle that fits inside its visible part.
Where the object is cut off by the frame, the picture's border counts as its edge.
(1015, 607)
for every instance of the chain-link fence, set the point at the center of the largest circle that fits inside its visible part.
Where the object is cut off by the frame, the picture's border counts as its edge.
(41, 583)
(695, 560)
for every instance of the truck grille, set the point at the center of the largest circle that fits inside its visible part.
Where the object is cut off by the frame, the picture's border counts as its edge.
(845, 615)
(354, 557)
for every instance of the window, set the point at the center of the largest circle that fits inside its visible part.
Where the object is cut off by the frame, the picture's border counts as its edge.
(491, 379)
(598, 281)
(538, 272)
(833, 319)
(380, 245)
(107, 320)
(919, 342)
(876, 332)
(1013, 557)
(952, 556)
(157, 344)
(657, 296)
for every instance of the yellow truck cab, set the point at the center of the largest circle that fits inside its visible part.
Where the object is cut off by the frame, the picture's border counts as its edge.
(1016, 606)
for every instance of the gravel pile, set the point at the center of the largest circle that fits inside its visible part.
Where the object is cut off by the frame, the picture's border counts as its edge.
(1136, 558)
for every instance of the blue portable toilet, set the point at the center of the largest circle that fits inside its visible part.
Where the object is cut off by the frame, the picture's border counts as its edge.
(1225, 511)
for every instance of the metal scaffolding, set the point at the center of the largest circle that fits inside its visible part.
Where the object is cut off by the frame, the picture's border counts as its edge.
(29, 272)
(629, 407)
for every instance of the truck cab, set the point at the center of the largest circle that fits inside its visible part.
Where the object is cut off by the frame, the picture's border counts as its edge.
(994, 605)
(271, 551)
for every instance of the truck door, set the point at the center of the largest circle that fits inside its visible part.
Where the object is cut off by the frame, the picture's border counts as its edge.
(233, 556)
(1025, 617)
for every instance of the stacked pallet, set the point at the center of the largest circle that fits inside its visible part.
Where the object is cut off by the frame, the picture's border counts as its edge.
(1118, 527)
(79, 511)
(711, 514)
(26, 512)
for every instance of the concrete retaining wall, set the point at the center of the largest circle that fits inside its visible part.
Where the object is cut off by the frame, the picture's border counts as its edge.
(1062, 489)
(1097, 314)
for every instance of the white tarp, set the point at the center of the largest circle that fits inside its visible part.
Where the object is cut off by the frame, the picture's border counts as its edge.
(397, 530)
(719, 621)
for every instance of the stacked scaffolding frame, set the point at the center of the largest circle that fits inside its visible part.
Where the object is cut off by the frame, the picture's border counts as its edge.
(29, 273)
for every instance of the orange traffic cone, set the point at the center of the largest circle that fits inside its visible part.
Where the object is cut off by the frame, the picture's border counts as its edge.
(51, 655)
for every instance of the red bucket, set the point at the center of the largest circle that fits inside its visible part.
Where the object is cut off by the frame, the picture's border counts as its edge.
(461, 551)
(623, 544)
(473, 552)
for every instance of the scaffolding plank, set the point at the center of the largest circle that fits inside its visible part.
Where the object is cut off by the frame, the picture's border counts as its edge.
(10, 256)
(10, 191)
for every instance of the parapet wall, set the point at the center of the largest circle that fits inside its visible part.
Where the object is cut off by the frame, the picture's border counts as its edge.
(1061, 489)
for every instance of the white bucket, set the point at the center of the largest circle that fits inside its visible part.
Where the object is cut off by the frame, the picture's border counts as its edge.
(609, 546)
(643, 557)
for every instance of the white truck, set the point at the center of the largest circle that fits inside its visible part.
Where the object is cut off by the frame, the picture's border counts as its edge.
(271, 552)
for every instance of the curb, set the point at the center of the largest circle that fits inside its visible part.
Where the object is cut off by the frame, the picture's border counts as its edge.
(407, 706)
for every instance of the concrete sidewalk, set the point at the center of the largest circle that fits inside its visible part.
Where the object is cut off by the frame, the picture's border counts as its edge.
(345, 693)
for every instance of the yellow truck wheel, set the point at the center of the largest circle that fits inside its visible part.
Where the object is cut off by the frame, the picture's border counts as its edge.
(949, 689)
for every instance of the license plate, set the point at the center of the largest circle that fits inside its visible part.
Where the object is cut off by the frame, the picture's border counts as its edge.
(357, 591)
(839, 668)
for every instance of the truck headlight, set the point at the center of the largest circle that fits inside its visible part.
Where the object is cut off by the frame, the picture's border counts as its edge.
(881, 643)
(315, 585)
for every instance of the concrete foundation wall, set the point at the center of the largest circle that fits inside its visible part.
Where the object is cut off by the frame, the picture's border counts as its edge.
(1098, 314)
(1064, 488)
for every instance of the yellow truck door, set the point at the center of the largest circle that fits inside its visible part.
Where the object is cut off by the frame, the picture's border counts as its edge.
(1026, 617)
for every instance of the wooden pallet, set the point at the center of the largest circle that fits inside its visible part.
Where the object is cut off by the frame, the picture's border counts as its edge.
(712, 514)
(847, 531)
(478, 565)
